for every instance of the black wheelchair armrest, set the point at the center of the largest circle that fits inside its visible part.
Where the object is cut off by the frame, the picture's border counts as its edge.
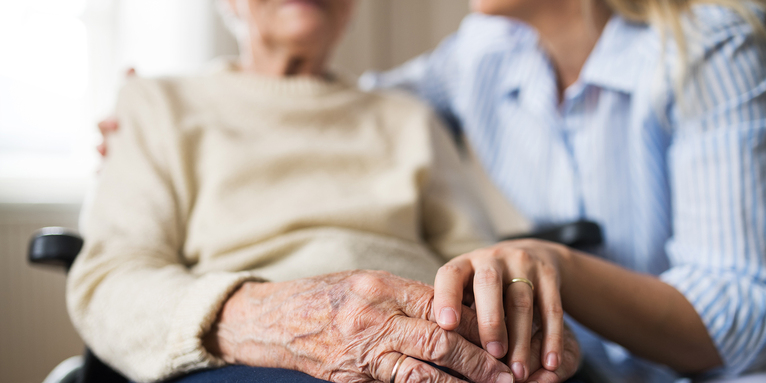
(55, 246)
(578, 235)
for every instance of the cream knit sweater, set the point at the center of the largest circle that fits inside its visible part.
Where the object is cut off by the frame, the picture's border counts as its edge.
(227, 177)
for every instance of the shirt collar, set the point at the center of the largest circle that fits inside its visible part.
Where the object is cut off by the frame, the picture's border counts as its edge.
(520, 57)
(616, 62)
(620, 55)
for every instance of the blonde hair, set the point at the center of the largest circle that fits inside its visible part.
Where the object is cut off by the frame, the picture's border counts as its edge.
(667, 15)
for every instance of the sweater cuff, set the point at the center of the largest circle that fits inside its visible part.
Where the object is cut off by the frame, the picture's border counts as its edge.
(195, 316)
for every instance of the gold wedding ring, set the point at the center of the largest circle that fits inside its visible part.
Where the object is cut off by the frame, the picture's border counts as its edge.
(396, 368)
(524, 280)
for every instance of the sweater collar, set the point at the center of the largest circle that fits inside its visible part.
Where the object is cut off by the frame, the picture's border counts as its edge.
(294, 86)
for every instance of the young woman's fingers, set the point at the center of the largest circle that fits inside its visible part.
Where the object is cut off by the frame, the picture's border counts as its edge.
(519, 303)
(552, 313)
(488, 281)
(451, 280)
(101, 148)
(107, 126)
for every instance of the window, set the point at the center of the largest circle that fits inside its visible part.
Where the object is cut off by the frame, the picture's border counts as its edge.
(45, 117)
(61, 65)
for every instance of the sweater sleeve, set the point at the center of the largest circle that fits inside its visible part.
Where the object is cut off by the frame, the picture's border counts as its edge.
(130, 295)
(455, 220)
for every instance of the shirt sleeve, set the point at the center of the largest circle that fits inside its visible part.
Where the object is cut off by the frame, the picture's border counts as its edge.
(432, 77)
(130, 295)
(717, 165)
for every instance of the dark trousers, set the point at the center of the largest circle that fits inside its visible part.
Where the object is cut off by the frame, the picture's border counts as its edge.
(244, 374)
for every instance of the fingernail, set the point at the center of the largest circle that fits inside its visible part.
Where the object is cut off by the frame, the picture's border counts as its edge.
(448, 316)
(518, 371)
(504, 377)
(552, 360)
(496, 349)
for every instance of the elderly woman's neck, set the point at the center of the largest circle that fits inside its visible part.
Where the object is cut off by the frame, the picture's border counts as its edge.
(281, 62)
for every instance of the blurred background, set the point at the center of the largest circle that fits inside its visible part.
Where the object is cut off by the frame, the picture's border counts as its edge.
(61, 65)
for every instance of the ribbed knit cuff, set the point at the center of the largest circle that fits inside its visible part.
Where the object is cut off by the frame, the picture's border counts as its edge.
(195, 316)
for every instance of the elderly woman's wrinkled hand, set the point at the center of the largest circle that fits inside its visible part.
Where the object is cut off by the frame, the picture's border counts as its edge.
(349, 327)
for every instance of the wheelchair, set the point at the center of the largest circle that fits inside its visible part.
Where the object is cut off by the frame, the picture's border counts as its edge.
(59, 247)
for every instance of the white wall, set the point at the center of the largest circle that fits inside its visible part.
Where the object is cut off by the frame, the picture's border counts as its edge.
(386, 33)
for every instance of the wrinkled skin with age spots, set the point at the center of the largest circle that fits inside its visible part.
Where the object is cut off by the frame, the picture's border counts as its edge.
(349, 327)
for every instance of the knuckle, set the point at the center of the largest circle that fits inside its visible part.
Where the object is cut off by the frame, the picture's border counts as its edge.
(487, 277)
(522, 303)
(554, 311)
(450, 270)
(548, 271)
(437, 345)
(368, 283)
(419, 373)
(523, 256)
(491, 322)
(484, 369)
(494, 252)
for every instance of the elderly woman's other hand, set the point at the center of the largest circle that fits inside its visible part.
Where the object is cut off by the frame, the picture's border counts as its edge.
(349, 327)
(570, 357)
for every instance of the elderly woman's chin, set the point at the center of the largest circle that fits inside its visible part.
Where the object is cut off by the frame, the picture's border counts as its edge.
(304, 30)
(304, 21)
(499, 7)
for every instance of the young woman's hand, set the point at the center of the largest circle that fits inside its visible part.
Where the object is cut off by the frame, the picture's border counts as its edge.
(106, 127)
(349, 327)
(110, 124)
(507, 283)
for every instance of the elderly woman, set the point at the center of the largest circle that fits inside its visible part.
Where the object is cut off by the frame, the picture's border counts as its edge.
(233, 205)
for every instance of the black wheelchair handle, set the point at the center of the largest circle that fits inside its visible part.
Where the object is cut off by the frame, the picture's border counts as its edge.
(54, 246)
(578, 235)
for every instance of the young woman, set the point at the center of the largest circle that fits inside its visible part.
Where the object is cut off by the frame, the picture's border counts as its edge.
(646, 116)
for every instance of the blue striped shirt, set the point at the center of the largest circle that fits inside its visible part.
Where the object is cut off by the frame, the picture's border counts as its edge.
(677, 181)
